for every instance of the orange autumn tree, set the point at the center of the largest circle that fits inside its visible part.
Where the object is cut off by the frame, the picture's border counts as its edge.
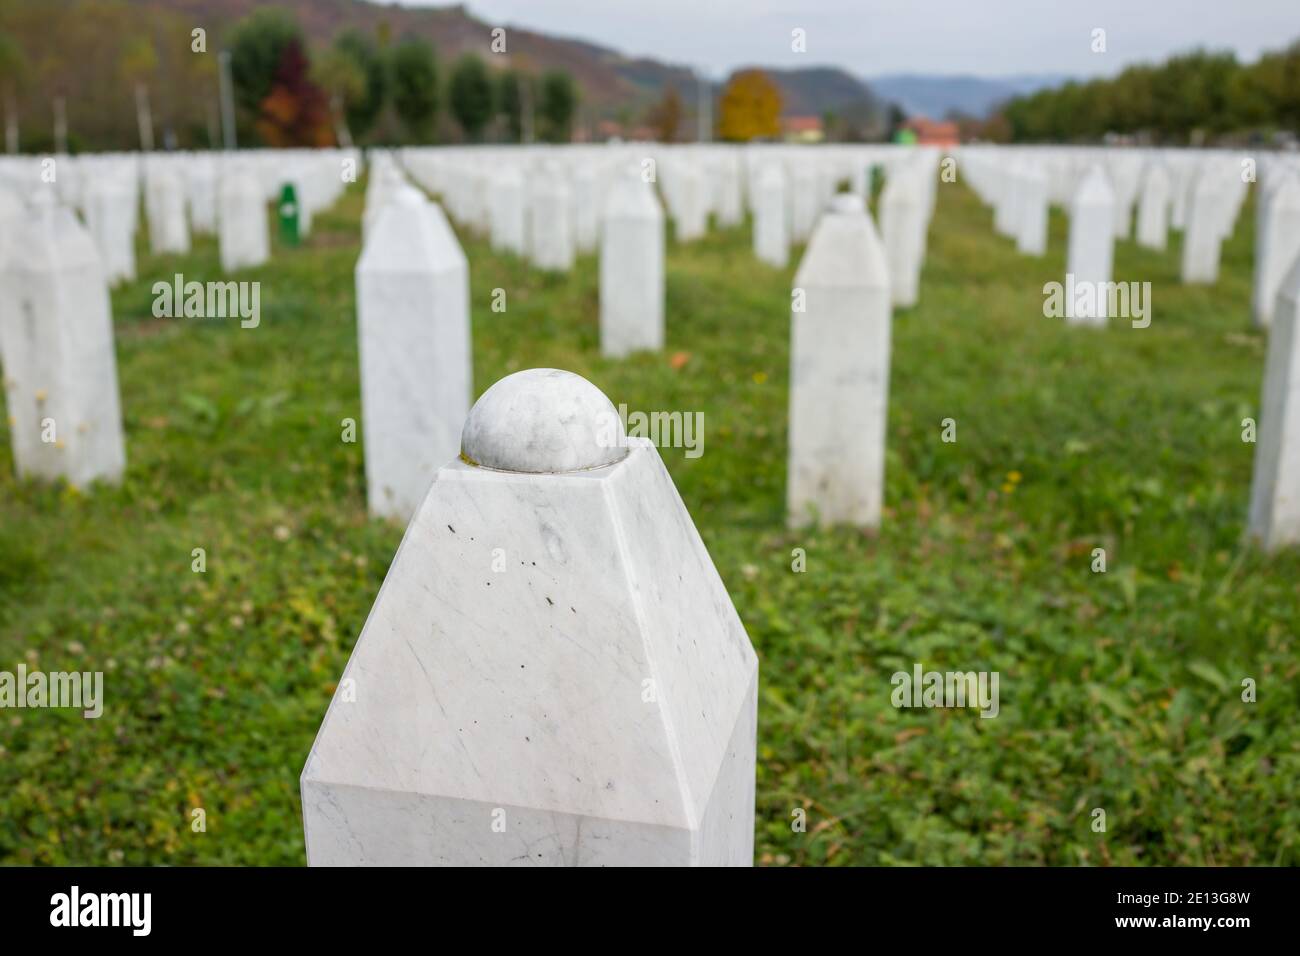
(750, 107)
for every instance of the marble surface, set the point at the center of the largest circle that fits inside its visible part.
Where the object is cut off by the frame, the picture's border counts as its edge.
(60, 366)
(543, 421)
(1275, 486)
(839, 375)
(518, 697)
(413, 331)
(631, 269)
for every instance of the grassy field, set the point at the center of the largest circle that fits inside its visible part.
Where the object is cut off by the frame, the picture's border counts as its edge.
(1119, 691)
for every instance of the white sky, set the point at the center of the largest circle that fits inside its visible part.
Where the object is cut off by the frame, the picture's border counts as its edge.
(871, 37)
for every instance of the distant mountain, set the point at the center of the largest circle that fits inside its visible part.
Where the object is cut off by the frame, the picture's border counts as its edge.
(936, 96)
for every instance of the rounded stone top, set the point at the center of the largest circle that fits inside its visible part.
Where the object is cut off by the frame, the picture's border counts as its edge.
(847, 202)
(543, 421)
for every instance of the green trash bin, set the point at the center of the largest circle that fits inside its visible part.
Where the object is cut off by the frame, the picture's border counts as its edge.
(288, 215)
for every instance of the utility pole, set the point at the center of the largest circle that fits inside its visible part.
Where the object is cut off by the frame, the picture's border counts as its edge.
(705, 110)
(227, 99)
(144, 117)
(60, 125)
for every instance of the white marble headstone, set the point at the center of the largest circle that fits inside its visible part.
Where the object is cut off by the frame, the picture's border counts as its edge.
(243, 230)
(1275, 487)
(60, 372)
(1279, 246)
(631, 269)
(552, 674)
(1153, 208)
(771, 217)
(414, 329)
(1092, 244)
(839, 372)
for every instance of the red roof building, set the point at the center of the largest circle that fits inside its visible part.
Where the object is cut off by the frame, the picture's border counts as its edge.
(930, 133)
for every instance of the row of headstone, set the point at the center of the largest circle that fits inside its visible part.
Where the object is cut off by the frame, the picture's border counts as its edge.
(56, 332)
(184, 194)
(1200, 193)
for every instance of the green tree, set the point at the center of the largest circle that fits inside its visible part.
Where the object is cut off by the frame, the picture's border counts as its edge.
(413, 70)
(750, 107)
(363, 110)
(559, 101)
(345, 84)
(471, 95)
(257, 49)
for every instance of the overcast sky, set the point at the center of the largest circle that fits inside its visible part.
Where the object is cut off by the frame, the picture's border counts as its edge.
(870, 37)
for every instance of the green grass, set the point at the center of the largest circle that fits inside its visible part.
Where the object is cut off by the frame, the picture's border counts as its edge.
(1118, 690)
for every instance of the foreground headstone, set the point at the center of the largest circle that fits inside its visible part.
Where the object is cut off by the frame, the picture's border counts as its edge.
(631, 270)
(771, 219)
(243, 233)
(553, 672)
(1092, 246)
(414, 330)
(1279, 246)
(60, 370)
(839, 372)
(1275, 486)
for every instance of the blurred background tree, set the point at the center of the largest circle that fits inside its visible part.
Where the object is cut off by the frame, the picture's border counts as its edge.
(750, 108)
(342, 79)
(362, 111)
(413, 71)
(556, 106)
(665, 117)
(470, 93)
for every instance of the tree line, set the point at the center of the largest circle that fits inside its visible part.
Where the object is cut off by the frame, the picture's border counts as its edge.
(92, 74)
(1192, 98)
